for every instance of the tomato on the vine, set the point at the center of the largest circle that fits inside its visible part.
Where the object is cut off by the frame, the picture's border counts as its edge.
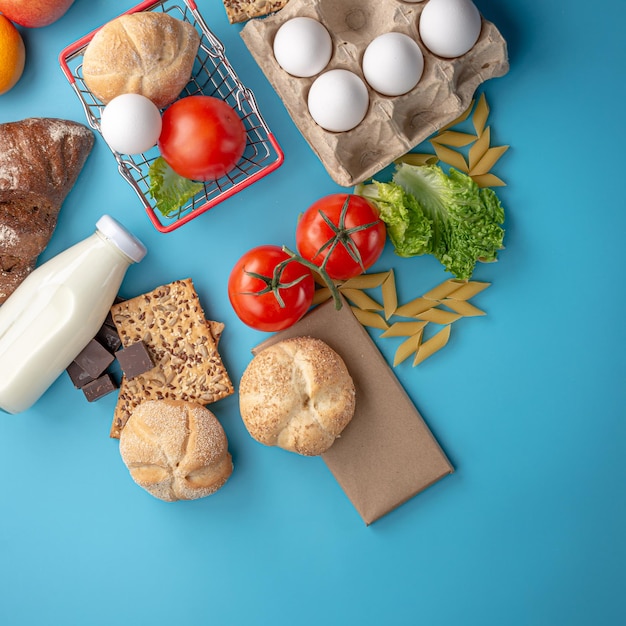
(202, 137)
(269, 290)
(343, 232)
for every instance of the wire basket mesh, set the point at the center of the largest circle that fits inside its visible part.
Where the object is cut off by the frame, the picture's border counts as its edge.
(212, 75)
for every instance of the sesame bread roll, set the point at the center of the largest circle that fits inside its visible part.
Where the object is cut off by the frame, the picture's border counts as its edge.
(298, 395)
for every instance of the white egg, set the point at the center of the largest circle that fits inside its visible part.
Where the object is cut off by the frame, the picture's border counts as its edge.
(338, 100)
(393, 64)
(130, 123)
(450, 28)
(303, 47)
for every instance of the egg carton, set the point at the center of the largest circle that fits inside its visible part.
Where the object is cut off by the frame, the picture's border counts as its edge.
(212, 75)
(392, 125)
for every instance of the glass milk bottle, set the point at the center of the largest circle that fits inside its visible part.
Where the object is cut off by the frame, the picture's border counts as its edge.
(57, 310)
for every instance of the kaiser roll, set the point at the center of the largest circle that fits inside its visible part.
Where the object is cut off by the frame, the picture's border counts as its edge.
(298, 395)
(176, 450)
(148, 53)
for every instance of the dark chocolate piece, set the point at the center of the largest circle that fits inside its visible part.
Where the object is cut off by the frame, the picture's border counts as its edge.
(78, 375)
(94, 358)
(109, 318)
(98, 388)
(135, 360)
(109, 338)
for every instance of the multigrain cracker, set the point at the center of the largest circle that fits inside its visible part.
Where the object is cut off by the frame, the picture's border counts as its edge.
(182, 344)
(242, 10)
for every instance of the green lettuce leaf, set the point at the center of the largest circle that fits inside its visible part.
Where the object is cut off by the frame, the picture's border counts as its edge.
(447, 215)
(169, 190)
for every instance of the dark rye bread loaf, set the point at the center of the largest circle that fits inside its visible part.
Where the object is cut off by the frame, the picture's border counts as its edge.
(40, 160)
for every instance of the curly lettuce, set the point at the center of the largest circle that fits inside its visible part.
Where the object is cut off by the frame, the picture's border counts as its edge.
(447, 215)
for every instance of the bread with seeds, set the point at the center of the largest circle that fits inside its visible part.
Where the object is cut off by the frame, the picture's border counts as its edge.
(181, 342)
(298, 395)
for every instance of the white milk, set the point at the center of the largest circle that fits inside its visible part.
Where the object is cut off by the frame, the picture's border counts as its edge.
(58, 309)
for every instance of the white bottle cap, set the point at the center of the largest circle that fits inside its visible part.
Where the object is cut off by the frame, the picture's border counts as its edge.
(122, 238)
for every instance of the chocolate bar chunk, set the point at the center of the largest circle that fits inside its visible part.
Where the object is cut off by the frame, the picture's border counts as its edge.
(78, 375)
(94, 358)
(135, 360)
(109, 338)
(99, 387)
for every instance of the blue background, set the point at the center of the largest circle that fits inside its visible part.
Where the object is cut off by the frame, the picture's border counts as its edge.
(528, 402)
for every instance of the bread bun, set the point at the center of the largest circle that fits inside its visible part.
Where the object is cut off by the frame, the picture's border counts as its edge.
(148, 53)
(298, 395)
(176, 450)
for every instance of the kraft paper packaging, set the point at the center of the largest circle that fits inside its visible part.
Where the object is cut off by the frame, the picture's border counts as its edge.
(387, 454)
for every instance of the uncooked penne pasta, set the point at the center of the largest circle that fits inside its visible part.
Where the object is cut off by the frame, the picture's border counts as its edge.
(478, 150)
(390, 296)
(366, 281)
(462, 307)
(444, 289)
(481, 113)
(321, 295)
(404, 329)
(361, 299)
(451, 157)
(415, 307)
(468, 290)
(439, 316)
(369, 318)
(407, 348)
(432, 345)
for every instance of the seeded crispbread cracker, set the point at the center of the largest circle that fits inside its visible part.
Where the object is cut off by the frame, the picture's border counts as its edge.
(242, 10)
(182, 343)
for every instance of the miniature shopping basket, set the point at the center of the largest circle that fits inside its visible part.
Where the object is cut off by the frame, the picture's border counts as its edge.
(212, 76)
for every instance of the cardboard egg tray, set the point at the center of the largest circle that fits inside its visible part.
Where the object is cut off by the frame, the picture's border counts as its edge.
(392, 125)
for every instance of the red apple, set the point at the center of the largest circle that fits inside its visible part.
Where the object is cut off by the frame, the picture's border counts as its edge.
(34, 13)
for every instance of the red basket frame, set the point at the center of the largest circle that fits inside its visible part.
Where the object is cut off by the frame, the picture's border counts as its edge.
(212, 75)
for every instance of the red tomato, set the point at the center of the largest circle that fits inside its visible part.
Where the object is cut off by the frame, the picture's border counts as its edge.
(347, 229)
(251, 294)
(202, 137)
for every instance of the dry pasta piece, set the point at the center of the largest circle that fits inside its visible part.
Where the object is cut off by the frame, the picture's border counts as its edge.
(479, 149)
(468, 290)
(390, 296)
(488, 180)
(463, 307)
(318, 279)
(488, 160)
(479, 118)
(454, 138)
(366, 281)
(404, 329)
(369, 318)
(413, 308)
(407, 348)
(432, 345)
(444, 289)
(321, 295)
(361, 299)
(439, 316)
(414, 158)
(451, 157)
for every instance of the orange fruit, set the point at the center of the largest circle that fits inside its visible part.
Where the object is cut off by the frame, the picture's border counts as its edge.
(12, 55)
